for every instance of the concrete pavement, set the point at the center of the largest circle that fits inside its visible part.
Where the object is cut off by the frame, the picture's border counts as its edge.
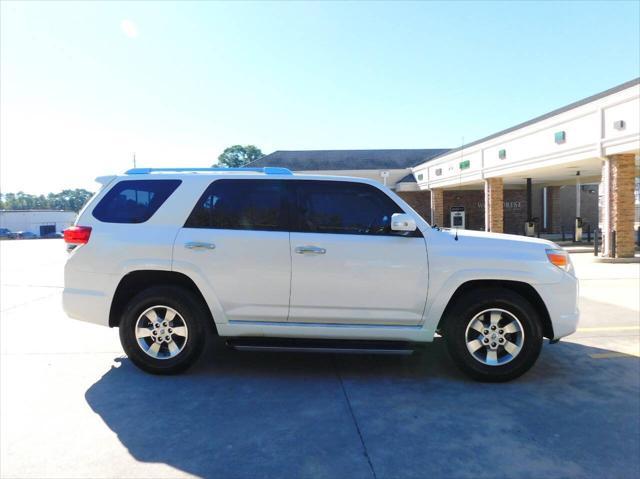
(71, 405)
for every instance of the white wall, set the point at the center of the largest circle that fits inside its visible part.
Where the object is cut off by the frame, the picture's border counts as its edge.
(32, 220)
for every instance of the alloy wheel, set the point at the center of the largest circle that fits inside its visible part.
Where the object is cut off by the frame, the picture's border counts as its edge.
(494, 337)
(161, 332)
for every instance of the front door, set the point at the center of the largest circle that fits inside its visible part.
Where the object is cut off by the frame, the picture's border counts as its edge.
(237, 238)
(348, 267)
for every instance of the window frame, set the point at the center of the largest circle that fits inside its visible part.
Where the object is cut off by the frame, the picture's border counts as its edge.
(296, 221)
(285, 203)
(109, 196)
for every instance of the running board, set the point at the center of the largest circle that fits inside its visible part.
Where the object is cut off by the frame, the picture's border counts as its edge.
(325, 346)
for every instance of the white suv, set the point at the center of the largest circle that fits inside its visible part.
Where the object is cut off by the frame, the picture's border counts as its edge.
(272, 260)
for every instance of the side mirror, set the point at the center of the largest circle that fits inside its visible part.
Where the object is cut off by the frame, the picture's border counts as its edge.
(402, 222)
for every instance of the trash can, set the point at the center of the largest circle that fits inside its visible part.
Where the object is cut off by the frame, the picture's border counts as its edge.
(529, 228)
(578, 235)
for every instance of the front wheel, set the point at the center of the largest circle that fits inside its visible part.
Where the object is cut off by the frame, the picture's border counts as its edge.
(162, 329)
(493, 334)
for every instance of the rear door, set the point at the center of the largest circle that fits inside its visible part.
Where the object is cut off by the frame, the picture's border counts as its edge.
(348, 267)
(237, 238)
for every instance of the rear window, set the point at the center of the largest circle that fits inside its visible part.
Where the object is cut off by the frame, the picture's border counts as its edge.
(134, 201)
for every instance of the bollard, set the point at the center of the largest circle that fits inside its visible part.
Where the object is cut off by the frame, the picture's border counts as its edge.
(596, 239)
(638, 237)
(589, 233)
(562, 231)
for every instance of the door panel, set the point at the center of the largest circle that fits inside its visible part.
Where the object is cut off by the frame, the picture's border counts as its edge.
(359, 279)
(248, 270)
(237, 238)
(348, 266)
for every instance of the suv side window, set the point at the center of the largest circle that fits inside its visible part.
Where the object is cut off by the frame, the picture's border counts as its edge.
(242, 205)
(134, 201)
(341, 207)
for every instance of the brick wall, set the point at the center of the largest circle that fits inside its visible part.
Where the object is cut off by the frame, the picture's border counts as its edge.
(515, 207)
(515, 211)
(473, 203)
(567, 207)
(561, 207)
(623, 203)
(419, 201)
(554, 220)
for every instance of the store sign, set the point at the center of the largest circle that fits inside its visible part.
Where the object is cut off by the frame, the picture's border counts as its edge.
(465, 164)
(508, 205)
(560, 137)
(502, 154)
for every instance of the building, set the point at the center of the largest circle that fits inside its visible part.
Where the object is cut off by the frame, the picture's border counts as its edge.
(389, 167)
(40, 222)
(579, 161)
(590, 147)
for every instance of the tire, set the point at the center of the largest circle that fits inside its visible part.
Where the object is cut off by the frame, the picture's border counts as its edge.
(475, 314)
(172, 347)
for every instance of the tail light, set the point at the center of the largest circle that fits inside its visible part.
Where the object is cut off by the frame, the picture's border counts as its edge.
(77, 234)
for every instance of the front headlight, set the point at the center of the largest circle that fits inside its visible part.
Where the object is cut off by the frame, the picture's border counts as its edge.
(560, 258)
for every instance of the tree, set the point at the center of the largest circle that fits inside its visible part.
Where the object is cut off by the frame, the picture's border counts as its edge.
(70, 200)
(237, 155)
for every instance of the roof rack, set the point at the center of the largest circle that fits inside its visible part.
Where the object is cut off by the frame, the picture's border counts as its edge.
(269, 170)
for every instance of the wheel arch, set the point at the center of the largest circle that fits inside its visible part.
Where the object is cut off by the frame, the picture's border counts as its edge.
(135, 281)
(523, 289)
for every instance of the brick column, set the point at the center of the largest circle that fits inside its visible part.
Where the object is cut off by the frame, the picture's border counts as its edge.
(619, 204)
(494, 205)
(437, 207)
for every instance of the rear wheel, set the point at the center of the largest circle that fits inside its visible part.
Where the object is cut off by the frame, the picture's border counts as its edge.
(493, 334)
(162, 329)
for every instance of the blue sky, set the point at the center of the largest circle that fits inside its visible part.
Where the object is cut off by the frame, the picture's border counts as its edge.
(86, 84)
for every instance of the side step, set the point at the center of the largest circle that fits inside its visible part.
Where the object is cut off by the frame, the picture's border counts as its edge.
(327, 346)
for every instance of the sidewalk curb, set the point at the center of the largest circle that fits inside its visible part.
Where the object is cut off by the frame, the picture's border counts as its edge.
(635, 259)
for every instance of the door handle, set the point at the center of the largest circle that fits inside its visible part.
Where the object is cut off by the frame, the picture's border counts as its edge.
(310, 250)
(199, 245)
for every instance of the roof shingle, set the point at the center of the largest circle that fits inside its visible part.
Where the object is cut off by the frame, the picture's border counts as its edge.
(323, 160)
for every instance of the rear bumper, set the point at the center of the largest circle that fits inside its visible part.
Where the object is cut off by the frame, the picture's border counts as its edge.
(86, 305)
(561, 300)
(87, 296)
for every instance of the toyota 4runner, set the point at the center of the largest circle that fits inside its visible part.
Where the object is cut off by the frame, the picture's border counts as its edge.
(271, 260)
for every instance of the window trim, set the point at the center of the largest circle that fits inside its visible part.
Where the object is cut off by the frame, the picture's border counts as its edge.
(295, 222)
(286, 203)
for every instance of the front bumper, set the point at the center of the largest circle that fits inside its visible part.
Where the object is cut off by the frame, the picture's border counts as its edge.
(561, 300)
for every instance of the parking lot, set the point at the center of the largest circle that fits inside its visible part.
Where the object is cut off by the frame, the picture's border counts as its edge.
(73, 406)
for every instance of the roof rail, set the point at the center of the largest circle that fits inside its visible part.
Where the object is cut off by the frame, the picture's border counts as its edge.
(269, 170)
